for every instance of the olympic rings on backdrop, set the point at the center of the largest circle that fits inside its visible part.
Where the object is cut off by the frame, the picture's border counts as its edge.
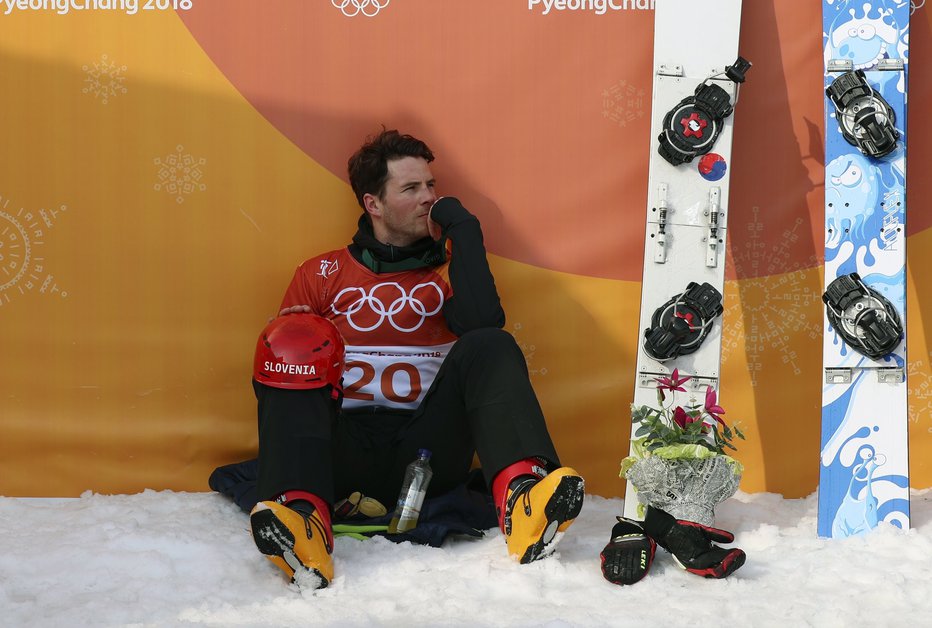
(369, 8)
(375, 305)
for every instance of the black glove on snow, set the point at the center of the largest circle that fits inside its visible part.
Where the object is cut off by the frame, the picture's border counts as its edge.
(691, 544)
(629, 553)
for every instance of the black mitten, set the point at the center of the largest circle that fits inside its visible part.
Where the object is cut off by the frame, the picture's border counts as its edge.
(691, 544)
(629, 553)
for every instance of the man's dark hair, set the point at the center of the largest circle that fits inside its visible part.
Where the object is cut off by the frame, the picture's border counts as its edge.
(368, 167)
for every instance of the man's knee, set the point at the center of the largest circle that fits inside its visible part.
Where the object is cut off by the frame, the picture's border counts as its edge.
(488, 341)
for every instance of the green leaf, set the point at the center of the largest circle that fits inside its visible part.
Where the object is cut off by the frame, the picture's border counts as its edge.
(672, 452)
(639, 413)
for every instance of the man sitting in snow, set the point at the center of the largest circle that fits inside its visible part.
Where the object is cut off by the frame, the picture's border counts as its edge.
(427, 365)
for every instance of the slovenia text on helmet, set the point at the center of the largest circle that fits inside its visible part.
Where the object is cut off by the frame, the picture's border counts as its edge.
(299, 351)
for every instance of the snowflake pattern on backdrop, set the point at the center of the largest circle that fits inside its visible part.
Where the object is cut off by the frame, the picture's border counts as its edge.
(22, 267)
(180, 174)
(920, 393)
(623, 103)
(528, 350)
(104, 79)
(774, 303)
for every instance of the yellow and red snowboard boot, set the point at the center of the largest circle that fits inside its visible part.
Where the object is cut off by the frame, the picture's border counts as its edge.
(536, 507)
(297, 540)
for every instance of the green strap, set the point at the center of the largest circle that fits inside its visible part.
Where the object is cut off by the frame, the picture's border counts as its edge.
(356, 531)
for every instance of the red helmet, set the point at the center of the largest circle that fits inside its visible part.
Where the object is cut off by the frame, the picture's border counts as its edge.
(299, 351)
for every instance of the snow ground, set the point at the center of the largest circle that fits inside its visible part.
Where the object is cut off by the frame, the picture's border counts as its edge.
(177, 559)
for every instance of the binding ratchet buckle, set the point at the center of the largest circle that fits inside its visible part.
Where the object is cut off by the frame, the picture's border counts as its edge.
(680, 325)
(692, 126)
(866, 320)
(865, 118)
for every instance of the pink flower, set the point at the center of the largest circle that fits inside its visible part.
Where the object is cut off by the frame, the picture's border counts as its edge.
(674, 382)
(711, 408)
(683, 418)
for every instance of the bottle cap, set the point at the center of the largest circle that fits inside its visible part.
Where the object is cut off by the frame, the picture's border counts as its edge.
(423, 453)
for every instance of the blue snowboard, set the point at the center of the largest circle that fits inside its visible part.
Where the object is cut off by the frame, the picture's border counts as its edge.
(864, 466)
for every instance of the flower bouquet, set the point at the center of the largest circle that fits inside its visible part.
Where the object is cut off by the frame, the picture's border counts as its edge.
(679, 461)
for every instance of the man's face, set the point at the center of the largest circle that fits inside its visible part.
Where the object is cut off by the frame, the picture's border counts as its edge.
(399, 217)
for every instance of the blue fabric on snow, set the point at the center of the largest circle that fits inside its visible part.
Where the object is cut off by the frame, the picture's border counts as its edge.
(467, 509)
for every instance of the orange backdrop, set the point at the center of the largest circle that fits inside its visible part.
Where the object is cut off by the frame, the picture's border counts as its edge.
(163, 172)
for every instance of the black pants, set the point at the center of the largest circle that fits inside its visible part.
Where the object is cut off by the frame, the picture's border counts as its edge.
(481, 402)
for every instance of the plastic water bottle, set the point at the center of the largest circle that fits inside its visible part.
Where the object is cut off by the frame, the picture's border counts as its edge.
(417, 477)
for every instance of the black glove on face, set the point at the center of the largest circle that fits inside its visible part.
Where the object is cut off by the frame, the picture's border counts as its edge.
(448, 212)
(629, 554)
(691, 544)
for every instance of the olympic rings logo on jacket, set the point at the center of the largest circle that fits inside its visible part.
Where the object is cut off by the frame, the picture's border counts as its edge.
(401, 312)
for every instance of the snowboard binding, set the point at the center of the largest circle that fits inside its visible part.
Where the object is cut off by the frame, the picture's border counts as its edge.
(865, 118)
(692, 126)
(679, 326)
(866, 320)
